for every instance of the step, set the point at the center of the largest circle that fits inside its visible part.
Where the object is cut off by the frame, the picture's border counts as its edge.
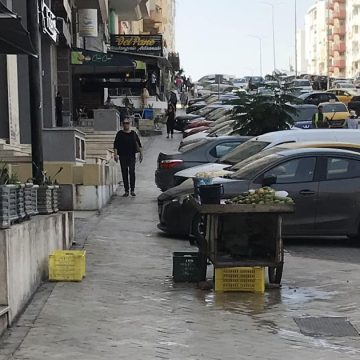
(4, 321)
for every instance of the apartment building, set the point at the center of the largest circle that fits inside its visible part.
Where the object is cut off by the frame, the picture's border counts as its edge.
(352, 38)
(316, 38)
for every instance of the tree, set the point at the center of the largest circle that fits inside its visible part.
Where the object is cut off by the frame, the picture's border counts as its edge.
(259, 114)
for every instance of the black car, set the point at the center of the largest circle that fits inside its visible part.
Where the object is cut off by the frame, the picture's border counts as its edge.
(317, 98)
(302, 117)
(324, 183)
(207, 150)
(354, 104)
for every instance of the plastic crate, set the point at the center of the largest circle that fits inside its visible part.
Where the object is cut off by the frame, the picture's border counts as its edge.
(67, 265)
(251, 279)
(186, 267)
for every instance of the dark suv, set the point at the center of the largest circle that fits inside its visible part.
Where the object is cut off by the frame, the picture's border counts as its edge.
(318, 98)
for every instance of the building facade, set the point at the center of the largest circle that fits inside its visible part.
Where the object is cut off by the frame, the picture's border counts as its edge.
(62, 30)
(352, 38)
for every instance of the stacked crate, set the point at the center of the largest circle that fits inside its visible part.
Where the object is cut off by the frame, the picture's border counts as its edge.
(34, 194)
(55, 198)
(14, 216)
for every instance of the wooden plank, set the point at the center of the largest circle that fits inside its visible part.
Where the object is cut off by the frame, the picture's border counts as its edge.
(240, 209)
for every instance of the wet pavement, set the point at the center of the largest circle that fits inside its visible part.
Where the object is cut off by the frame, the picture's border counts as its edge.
(127, 307)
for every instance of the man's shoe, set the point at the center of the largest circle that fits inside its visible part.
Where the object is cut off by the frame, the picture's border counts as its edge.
(133, 193)
(126, 194)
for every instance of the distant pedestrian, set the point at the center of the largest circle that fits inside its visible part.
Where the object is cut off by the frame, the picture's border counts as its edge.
(144, 97)
(184, 99)
(319, 120)
(126, 145)
(173, 99)
(59, 109)
(352, 122)
(108, 103)
(170, 121)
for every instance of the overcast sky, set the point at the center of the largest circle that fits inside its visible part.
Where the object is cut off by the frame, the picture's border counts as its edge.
(212, 36)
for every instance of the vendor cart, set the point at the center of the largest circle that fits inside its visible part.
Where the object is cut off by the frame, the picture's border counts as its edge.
(246, 235)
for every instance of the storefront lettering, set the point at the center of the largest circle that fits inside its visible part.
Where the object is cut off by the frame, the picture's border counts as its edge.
(100, 58)
(135, 41)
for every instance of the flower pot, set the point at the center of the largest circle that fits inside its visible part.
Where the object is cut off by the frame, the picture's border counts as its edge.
(44, 199)
(34, 194)
(4, 207)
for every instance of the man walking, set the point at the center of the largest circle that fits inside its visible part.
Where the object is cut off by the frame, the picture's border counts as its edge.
(319, 120)
(126, 145)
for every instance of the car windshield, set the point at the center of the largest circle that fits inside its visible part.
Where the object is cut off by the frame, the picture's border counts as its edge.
(251, 168)
(302, 83)
(192, 146)
(303, 114)
(253, 158)
(346, 86)
(244, 151)
(335, 107)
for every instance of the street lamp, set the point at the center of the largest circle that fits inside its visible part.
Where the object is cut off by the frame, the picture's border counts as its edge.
(260, 48)
(273, 30)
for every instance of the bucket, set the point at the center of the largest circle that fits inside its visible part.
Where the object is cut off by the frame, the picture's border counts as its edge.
(211, 194)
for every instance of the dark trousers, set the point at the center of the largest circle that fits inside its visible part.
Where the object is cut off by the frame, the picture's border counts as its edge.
(59, 118)
(170, 127)
(127, 164)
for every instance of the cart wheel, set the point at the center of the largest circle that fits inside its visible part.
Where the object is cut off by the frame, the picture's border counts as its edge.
(275, 274)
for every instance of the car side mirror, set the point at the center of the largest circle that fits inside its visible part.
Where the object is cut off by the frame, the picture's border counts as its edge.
(269, 180)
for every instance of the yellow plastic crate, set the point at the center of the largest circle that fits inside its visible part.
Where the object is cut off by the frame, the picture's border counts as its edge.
(67, 265)
(251, 279)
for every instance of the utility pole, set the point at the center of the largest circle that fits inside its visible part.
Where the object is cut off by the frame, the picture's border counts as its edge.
(36, 119)
(296, 56)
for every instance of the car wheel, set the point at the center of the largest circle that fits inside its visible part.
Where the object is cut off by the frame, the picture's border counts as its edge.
(197, 227)
(275, 274)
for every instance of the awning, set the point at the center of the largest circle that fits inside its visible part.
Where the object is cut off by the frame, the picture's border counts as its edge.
(14, 39)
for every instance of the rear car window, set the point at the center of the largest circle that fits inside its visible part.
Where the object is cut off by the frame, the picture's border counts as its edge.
(336, 107)
(192, 146)
(340, 168)
(244, 151)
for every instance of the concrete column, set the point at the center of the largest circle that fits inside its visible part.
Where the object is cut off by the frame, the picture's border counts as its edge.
(48, 81)
(4, 112)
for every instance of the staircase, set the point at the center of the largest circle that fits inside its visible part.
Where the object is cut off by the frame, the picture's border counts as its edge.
(14, 153)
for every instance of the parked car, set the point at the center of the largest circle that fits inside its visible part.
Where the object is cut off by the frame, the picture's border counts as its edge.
(324, 183)
(315, 98)
(303, 116)
(336, 113)
(302, 84)
(207, 150)
(345, 85)
(343, 95)
(268, 141)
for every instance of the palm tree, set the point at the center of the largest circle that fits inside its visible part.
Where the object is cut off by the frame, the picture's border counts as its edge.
(259, 114)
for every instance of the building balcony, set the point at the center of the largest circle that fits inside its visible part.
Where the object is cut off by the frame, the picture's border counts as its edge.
(339, 30)
(340, 14)
(339, 1)
(330, 21)
(339, 64)
(330, 5)
(356, 3)
(130, 10)
(339, 47)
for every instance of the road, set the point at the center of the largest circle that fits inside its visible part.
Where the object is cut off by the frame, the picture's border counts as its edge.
(127, 307)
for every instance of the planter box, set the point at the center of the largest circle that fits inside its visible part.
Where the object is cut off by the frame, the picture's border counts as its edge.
(45, 199)
(55, 198)
(30, 195)
(4, 207)
(34, 195)
(13, 204)
(20, 201)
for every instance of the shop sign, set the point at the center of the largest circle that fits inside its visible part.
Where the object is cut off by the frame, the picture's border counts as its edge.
(48, 22)
(88, 23)
(94, 58)
(141, 44)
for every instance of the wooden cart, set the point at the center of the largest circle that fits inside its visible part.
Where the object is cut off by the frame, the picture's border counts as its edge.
(243, 235)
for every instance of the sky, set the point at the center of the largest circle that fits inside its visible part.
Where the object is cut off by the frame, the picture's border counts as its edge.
(215, 36)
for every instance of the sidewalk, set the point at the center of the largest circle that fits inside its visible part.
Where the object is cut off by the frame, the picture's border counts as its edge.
(127, 307)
